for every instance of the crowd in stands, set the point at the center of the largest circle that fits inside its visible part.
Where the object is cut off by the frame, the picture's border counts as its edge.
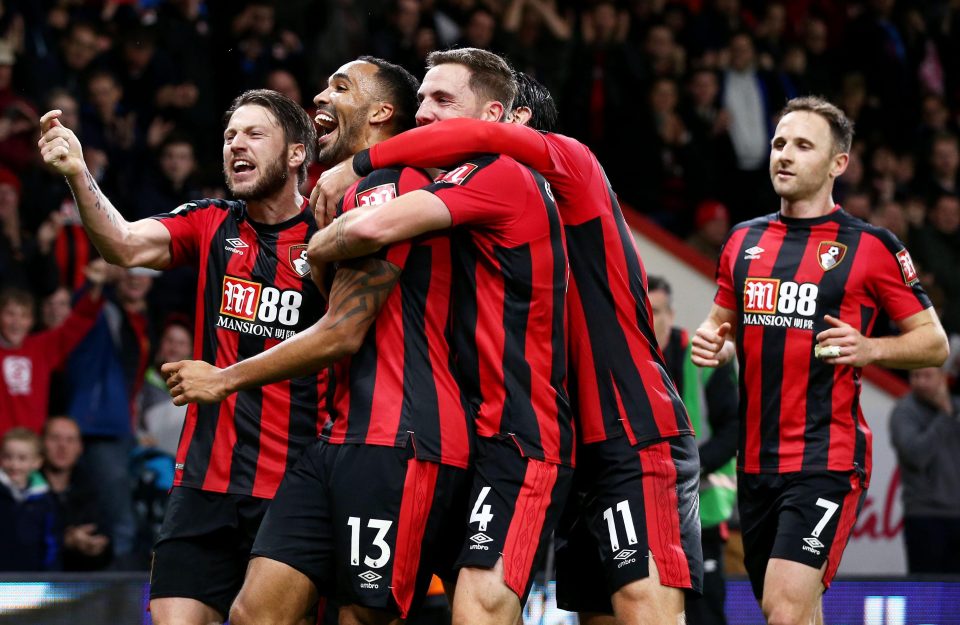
(676, 97)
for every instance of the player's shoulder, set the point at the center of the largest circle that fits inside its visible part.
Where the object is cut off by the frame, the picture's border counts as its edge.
(870, 232)
(757, 222)
(236, 207)
(493, 166)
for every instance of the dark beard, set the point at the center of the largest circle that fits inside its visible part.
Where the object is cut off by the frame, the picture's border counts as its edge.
(273, 179)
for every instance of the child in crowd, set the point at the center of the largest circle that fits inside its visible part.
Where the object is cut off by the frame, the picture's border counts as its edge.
(27, 360)
(29, 528)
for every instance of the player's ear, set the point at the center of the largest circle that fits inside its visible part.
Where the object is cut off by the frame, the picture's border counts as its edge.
(493, 111)
(381, 113)
(839, 164)
(296, 154)
(521, 115)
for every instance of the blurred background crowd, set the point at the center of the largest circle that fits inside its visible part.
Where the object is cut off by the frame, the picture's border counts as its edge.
(677, 98)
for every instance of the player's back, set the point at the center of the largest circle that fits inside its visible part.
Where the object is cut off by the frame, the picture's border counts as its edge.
(619, 382)
(399, 388)
(511, 276)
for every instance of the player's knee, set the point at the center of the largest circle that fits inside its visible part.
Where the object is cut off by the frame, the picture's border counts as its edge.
(784, 613)
(242, 612)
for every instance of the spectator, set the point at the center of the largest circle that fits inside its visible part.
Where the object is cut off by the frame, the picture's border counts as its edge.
(937, 247)
(26, 361)
(104, 374)
(29, 527)
(160, 422)
(18, 118)
(711, 223)
(171, 182)
(537, 40)
(86, 546)
(748, 94)
(26, 262)
(709, 125)
(925, 431)
(710, 396)
(943, 175)
(68, 70)
(54, 312)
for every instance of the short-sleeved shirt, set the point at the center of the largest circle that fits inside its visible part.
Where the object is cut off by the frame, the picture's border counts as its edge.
(510, 286)
(399, 389)
(254, 290)
(781, 276)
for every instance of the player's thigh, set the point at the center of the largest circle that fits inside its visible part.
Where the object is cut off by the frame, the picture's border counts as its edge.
(183, 611)
(297, 529)
(273, 593)
(643, 500)
(791, 591)
(648, 602)
(202, 551)
(396, 521)
(514, 506)
(816, 514)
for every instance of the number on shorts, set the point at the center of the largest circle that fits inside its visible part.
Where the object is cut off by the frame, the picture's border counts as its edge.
(481, 515)
(382, 526)
(831, 509)
(624, 509)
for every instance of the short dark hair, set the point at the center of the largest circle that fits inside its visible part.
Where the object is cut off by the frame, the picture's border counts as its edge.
(399, 87)
(659, 283)
(840, 125)
(490, 76)
(14, 295)
(534, 96)
(296, 124)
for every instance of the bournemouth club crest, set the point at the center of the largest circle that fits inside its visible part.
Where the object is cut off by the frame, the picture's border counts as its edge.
(298, 259)
(830, 254)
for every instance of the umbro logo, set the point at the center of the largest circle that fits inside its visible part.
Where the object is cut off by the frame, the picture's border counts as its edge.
(480, 538)
(813, 542)
(369, 576)
(623, 555)
(753, 253)
(236, 245)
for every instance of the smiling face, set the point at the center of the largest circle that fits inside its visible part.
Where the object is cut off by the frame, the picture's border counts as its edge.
(16, 320)
(343, 109)
(802, 158)
(255, 154)
(18, 459)
(446, 94)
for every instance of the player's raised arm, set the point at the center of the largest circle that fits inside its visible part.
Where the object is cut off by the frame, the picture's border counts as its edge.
(712, 345)
(365, 230)
(359, 290)
(144, 243)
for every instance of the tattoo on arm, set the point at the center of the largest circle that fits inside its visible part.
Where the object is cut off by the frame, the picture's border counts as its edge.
(359, 290)
(101, 204)
(341, 240)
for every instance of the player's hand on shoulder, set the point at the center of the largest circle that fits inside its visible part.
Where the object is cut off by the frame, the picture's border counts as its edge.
(59, 147)
(851, 347)
(194, 382)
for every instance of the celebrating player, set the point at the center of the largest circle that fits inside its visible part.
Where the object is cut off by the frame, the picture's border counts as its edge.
(508, 332)
(636, 439)
(377, 505)
(800, 289)
(251, 294)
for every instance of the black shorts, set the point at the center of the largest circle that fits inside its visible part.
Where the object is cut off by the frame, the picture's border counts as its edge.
(371, 522)
(204, 546)
(802, 517)
(630, 501)
(515, 505)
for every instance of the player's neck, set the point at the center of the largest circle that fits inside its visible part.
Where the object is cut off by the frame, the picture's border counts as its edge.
(808, 208)
(279, 207)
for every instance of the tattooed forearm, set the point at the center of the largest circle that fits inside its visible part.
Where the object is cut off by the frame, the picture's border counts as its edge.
(359, 290)
(100, 202)
(341, 239)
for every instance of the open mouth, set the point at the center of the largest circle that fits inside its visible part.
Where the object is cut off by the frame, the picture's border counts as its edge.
(242, 166)
(326, 124)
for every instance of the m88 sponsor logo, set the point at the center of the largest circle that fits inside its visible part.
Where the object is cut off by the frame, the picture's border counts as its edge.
(253, 303)
(780, 303)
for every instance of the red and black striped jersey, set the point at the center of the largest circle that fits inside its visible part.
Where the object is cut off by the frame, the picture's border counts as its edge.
(782, 275)
(254, 290)
(509, 298)
(399, 388)
(618, 380)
